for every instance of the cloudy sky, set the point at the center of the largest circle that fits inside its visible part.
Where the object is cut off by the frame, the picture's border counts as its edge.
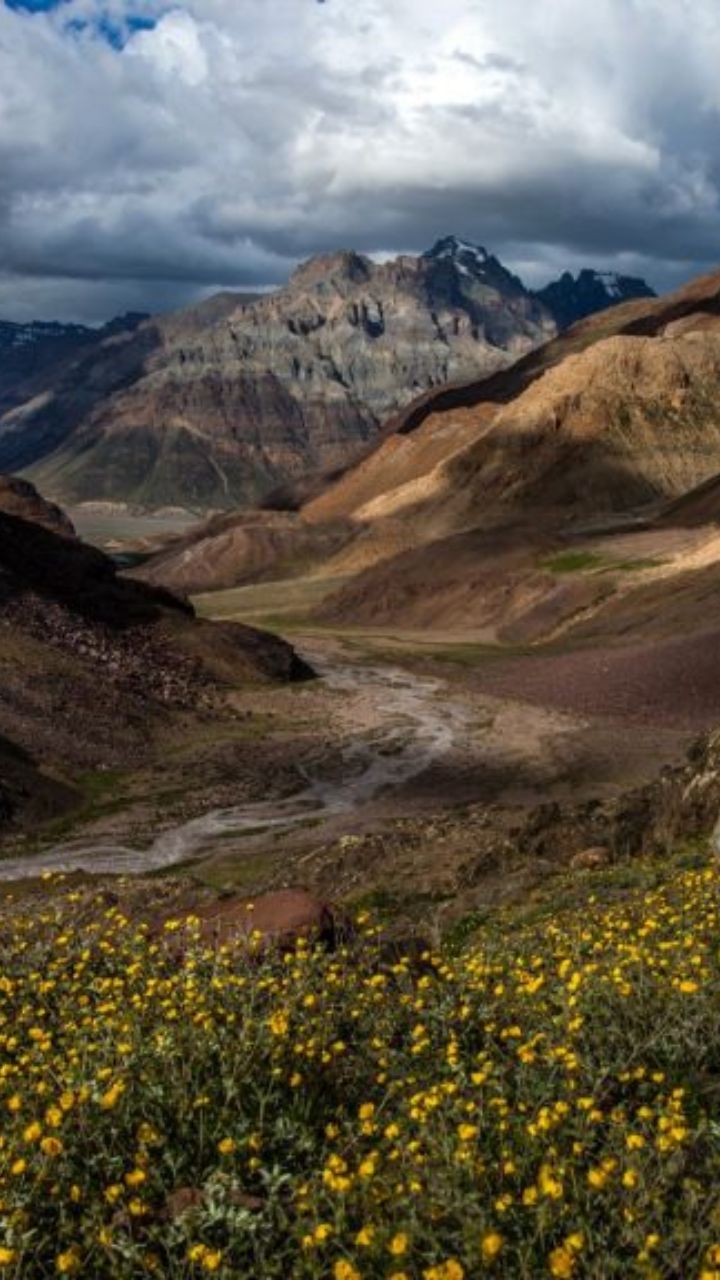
(152, 152)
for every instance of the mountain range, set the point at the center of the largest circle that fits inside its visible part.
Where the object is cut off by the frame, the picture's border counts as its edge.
(32, 355)
(572, 298)
(576, 490)
(220, 404)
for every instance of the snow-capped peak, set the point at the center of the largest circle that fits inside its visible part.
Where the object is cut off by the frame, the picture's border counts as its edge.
(454, 249)
(610, 282)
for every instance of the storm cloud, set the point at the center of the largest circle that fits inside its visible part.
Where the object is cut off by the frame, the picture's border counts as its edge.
(150, 152)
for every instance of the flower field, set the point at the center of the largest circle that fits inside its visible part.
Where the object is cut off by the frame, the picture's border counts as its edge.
(544, 1102)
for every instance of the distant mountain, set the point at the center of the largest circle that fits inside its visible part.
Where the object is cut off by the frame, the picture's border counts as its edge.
(34, 353)
(221, 404)
(217, 405)
(572, 298)
(36, 332)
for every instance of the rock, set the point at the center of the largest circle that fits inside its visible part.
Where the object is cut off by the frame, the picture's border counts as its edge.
(183, 1201)
(280, 918)
(591, 859)
(190, 1199)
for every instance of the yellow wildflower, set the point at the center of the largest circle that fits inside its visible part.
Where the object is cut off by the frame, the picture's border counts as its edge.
(491, 1244)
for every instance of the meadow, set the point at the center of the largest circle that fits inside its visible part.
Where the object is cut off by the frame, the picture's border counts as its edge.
(542, 1101)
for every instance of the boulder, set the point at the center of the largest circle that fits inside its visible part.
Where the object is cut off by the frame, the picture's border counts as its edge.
(279, 918)
(591, 859)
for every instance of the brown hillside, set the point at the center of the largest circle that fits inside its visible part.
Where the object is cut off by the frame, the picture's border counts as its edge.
(95, 668)
(227, 551)
(618, 413)
(693, 307)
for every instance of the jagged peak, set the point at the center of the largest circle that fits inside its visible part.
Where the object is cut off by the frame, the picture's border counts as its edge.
(454, 247)
(344, 263)
(611, 281)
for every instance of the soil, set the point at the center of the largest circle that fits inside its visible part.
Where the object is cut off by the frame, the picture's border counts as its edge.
(399, 776)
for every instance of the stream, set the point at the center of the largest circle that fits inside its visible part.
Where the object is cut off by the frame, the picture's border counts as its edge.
(416, 728)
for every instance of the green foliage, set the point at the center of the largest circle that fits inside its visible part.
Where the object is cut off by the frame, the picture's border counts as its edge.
(573, 562)
(591, 562)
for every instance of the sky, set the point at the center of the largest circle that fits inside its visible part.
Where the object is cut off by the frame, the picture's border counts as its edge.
(153, 152)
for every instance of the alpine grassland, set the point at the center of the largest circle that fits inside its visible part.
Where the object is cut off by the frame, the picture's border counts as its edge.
(541, 1102)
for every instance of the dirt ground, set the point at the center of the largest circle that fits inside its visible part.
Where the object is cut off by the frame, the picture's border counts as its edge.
(462, 744)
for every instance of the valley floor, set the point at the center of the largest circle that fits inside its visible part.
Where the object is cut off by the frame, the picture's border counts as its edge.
(432, 771)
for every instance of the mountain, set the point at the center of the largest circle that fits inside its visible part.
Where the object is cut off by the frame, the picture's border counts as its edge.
(572, 298)
(615, 420)
(216, 405)
(453, 517)
(246, 546)
(31, 355)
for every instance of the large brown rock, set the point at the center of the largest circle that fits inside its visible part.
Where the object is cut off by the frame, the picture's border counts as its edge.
(279, 918)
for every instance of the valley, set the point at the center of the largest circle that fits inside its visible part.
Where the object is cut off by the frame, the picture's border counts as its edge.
(429, 739)
(359, 640)
(509, 605)
(445, 774)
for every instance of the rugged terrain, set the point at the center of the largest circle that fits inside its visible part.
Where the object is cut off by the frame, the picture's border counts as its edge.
(600, 448)
(218, 405)
(99, 674)
(34, 355)
(546, 544)
(615, 417)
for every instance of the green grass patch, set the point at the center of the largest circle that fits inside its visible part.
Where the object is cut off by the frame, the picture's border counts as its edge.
(573, 562)
(593, 562)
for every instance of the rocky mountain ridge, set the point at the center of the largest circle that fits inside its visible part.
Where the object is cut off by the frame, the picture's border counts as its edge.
(449, 519)
(572, 298)
(607, 427)
(217, 405)
(31, 354)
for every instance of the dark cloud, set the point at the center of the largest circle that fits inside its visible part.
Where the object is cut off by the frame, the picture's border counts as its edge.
(151, 152)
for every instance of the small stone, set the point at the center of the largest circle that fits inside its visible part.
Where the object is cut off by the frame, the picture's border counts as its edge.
(591, 859)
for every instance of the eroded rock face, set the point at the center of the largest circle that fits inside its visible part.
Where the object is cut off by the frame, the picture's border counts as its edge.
(219, 404)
